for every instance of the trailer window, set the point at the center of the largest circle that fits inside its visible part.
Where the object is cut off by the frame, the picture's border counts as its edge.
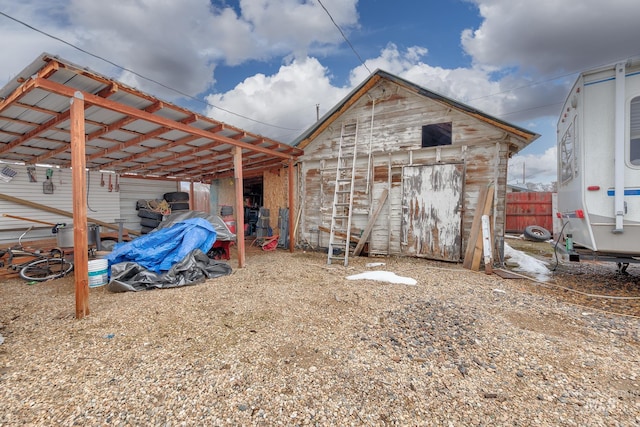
(437, 134)
(568, 159)
(634, 131)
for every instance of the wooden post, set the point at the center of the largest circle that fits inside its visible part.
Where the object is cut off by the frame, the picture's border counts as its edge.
(291, 207)
(237, 174)
(79, 197)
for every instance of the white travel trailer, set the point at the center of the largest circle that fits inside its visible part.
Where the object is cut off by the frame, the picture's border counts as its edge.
(599, 163)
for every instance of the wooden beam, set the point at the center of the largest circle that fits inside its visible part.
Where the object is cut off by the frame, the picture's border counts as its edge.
(372, 221)
(237, 157)
(152, 118)
(24, 88)
(79, 197)
(61, 212)
(291, 208)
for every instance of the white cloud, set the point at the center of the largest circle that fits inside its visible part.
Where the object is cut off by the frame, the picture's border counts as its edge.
(533, 168)
(293, 27)
(183, 44)
(286, 99)
(176, 43)
(549, 36)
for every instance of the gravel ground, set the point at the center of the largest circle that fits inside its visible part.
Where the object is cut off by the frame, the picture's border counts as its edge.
(289, 341)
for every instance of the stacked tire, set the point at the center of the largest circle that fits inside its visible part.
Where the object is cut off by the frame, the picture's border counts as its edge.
(178, 200)
(148, 220)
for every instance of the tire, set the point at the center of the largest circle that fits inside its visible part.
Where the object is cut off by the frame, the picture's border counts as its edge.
(148, 222)
(142, 204)
(146, 230)
(536, 233)
(176, 196)
(179, 206)
(146, 213)
(46, 269)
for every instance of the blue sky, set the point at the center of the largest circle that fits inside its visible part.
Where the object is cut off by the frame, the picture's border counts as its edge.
(272, 61)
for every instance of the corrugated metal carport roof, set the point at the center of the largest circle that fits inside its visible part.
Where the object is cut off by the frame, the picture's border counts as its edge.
(60, 114)
(127, 131)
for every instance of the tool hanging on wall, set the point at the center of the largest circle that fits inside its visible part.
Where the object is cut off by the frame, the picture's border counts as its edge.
(110, 184)
(117, 184)
(101, 180)
(31, 173)
(47, 186)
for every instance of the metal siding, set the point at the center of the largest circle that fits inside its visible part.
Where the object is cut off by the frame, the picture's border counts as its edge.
(432, 205)
(132, 190)
(102, 204)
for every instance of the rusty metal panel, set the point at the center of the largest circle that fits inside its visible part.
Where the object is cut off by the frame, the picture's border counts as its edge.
(529, 208)
(431, 211)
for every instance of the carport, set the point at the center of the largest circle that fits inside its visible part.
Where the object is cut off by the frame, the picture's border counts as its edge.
(61, 114)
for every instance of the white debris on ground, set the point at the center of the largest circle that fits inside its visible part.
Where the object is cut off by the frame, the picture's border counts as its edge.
(527, 263)
(383, 276)
(374, 264)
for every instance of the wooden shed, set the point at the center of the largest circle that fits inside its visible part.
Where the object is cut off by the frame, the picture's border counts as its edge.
(402, 168)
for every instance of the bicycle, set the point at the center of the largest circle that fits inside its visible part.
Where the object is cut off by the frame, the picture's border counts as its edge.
(40, 266)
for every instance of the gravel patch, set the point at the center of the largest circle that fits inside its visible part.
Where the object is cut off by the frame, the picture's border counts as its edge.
(289, 341)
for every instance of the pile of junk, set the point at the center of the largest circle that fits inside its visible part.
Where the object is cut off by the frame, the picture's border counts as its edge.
(184, 249)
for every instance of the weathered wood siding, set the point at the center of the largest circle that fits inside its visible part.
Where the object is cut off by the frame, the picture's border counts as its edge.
(432, 211)
(394, 139)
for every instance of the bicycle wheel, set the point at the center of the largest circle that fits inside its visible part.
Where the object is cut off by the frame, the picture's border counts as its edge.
(46, 269)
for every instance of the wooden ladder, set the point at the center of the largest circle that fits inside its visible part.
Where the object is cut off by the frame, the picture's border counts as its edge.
(340, 235)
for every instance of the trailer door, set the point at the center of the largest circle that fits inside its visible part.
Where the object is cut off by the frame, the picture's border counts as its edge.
(431, 211)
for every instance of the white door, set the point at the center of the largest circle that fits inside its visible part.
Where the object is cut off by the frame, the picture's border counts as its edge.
(432, 211)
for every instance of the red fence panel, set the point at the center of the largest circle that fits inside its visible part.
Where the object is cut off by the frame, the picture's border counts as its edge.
(528, 208)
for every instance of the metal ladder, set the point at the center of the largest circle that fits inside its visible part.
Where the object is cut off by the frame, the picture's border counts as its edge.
(340, 235)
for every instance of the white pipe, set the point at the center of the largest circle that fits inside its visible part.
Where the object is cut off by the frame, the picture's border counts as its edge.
(486, 243)
(619, 147)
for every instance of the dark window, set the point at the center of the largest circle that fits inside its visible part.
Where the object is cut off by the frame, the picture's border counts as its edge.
(438, 134)
(634, 131)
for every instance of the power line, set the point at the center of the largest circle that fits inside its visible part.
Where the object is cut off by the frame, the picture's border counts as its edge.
(549, 79)
(140, 75)
(345, 37)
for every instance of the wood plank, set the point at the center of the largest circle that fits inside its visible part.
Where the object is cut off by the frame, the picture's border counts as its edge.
(473, 251)
(62, 212)
(372, 220)
(475, 230)
(488, 205)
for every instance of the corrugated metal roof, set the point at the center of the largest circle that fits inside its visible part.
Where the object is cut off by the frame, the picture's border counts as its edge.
(128, 132)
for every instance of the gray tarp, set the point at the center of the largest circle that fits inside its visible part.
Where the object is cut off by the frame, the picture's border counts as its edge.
(223, 232)
(194, 268)
(151, 262)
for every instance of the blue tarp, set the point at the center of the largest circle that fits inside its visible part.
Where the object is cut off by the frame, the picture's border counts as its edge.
(161, 249)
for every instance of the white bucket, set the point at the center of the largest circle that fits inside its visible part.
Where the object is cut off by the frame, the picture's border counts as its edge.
(98, 272)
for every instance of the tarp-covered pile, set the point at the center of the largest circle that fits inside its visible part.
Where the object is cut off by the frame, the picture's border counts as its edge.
(165, 258)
